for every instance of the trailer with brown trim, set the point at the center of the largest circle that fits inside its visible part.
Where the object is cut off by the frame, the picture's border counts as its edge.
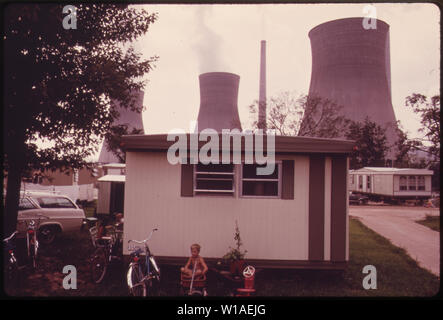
(394, 185)
(297, 217)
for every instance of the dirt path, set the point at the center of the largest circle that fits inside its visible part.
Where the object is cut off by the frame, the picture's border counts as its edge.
(398, 225)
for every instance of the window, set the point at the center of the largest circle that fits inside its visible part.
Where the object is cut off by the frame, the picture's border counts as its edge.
(219, 179)
(351, 179)
(25, 204)
(214, 179)
(260, 185)
(403, 183)
(368, 182)
(360, 182)
(411, 183)
(421, 183)
(55, 202)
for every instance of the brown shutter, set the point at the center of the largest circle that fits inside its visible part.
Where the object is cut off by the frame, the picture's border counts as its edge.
(187, 180)
(287, 191)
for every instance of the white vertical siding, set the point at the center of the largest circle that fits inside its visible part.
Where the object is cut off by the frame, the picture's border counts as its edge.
(104, 194)
(270, 228)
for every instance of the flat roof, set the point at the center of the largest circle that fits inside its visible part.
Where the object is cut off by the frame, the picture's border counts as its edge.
(283, 144)
(112, 178)
(384, 170)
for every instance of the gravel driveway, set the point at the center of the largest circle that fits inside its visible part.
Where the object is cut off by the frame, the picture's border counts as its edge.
(397, 223)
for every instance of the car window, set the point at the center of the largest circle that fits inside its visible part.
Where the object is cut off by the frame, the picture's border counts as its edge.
(25, 204)
(65, 203)
(55, 202)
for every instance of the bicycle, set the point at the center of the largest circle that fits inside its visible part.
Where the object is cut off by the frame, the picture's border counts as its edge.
(11, 268)
(32, 243)
(107, 249)
(141, 275)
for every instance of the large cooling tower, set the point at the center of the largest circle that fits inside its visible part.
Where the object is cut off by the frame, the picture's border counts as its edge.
(127, 117)
(218, 101)
(351, 67)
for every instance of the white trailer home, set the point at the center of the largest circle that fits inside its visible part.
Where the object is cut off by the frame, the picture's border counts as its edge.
(392, 183)
(111, 189)
(296, 217)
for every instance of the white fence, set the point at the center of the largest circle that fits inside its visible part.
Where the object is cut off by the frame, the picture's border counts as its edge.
(79, 192)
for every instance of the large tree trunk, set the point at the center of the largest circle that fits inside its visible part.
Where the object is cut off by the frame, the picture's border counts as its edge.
(12, 198)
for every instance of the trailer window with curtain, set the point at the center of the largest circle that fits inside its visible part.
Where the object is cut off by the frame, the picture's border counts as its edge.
(255, 185)
(421, 183)
(403, 183)
(411, 183)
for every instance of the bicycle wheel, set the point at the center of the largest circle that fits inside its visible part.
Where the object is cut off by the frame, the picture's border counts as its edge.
(32, 256)
(136, 284)
(11, 276)
(99, 265)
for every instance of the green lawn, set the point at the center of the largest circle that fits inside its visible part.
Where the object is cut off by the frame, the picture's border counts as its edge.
(397, 274)
(432, 222)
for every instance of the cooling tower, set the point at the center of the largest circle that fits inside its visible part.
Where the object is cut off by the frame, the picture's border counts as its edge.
(127, 117)
(218, 101)
(351, 67)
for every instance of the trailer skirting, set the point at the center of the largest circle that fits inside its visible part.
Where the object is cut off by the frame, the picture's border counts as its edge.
(262, 263)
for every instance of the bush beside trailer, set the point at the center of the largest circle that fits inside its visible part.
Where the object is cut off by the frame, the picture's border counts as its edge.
(392, 184)
(298, 218)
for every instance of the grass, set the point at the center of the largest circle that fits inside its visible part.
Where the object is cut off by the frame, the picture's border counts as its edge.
(397, 274)
(432, 222)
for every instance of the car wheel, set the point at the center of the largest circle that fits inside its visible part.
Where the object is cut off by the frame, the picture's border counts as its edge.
(47, 234)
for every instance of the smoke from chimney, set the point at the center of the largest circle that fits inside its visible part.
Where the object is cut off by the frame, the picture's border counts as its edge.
(208, 44)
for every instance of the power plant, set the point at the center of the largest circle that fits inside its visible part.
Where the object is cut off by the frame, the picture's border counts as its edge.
(130, 118)
(218, 101)
(351, 67)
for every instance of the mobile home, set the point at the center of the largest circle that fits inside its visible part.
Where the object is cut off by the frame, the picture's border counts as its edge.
(111, 189)
(295, 217)
(392, 183)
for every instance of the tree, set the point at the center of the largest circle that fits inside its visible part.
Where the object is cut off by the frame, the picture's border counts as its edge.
(114, 139)
(370, 144)
(302, 116)
(429, 111)
(403, 148)
(58, 84)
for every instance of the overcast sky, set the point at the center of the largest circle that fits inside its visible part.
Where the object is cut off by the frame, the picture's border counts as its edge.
(193, 39)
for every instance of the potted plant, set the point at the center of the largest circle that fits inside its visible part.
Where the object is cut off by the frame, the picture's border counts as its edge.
(235, 256)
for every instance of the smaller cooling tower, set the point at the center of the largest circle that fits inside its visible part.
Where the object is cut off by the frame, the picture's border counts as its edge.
(127, 117)
(218, 101)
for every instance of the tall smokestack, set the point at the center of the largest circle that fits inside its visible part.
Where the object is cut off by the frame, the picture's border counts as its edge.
(218, 101)
(262, 90)
(351, 67)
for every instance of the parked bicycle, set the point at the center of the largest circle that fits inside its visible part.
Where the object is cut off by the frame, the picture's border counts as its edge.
(142, 275)
(32, 243)
(107, 249)
(11, 267)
